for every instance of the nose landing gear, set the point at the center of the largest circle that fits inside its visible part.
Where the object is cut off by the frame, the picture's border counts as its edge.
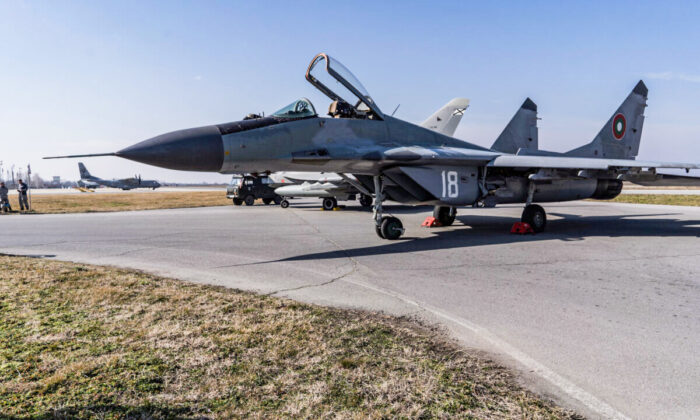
(387, 227)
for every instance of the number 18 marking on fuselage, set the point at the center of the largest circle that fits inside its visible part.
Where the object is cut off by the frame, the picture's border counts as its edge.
(450, 188)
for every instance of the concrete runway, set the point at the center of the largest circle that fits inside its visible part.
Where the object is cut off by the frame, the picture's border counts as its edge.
(602, 311)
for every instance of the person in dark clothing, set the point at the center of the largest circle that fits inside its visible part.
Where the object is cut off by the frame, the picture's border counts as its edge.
(4, 200)
(22, 188)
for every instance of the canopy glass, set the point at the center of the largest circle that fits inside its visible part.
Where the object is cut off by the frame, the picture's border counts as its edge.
(332, 78)
(300, 108)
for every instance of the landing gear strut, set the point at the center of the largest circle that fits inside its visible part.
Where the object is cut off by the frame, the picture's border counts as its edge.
(387, 227)
(533, 215)
(445, 215)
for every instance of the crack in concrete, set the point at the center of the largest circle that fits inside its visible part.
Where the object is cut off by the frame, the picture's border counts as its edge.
(127, 252)
(309, 286)
(530, 263)
(43, 244)
(353, 261)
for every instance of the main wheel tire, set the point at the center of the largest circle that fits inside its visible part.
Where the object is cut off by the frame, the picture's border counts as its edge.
(278, 200)
(392, 228)
(284, 204)
(329, 203)
(249, 200)
(237, 201)
(267, 201)
(445, 215)
(378, 229)
(365, 200)
(535, 216)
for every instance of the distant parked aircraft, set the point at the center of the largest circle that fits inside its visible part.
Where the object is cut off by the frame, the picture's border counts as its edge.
(89, 181)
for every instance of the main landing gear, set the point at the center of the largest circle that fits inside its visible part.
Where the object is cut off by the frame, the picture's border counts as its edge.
(533, 214)
(445, 215)
(387, 227)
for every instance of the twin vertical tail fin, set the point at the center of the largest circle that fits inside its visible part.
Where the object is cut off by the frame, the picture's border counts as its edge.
(619, 138)
(521, 131)
(84, 174)
(446, 119)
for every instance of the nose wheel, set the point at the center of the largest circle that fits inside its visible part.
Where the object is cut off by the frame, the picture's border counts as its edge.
(386, 227)
(391, 228)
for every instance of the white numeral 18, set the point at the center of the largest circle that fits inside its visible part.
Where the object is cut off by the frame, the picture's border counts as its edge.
(450, 188)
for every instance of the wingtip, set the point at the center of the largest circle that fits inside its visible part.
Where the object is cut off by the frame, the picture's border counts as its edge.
(529, 104)
(641, 89)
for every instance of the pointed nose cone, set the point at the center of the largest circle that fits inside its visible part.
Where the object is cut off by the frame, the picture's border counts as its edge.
(194, 149)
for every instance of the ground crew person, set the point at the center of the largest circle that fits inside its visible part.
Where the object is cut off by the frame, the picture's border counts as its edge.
(4, 200)
(22, 190)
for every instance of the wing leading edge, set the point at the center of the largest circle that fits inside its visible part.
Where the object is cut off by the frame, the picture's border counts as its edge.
(561, 162)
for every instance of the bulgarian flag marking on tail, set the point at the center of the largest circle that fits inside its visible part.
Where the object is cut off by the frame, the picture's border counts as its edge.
(619, 126)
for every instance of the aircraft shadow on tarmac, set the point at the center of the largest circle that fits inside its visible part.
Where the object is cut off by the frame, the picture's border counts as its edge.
(495, 230)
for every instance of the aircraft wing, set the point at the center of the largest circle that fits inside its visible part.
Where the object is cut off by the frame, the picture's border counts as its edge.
(440, 155)
(563, 162)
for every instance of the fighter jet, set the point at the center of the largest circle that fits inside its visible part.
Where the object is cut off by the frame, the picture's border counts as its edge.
(404, 162)
(331, 187)
(89, 181)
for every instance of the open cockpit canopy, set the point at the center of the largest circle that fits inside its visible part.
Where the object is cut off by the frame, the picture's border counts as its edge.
(350, 98)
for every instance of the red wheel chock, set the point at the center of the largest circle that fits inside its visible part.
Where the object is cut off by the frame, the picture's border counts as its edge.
(431, 222)
(521, 228)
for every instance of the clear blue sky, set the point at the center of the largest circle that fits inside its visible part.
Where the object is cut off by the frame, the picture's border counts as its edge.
(93, 76)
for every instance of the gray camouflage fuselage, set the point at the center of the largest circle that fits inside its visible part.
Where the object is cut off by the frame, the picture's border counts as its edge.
(410, 156)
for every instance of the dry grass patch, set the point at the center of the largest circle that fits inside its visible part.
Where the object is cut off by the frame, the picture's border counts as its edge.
(79, 341)
(101, 202)
(668, 199)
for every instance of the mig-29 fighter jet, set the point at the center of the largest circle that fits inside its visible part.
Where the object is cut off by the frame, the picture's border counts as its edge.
(89, 180)
(403, 162)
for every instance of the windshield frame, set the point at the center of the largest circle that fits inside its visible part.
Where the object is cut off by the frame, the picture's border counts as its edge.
(361, 97)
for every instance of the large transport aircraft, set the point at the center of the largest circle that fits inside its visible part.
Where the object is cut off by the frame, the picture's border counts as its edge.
(89, 181)
(407, 163)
